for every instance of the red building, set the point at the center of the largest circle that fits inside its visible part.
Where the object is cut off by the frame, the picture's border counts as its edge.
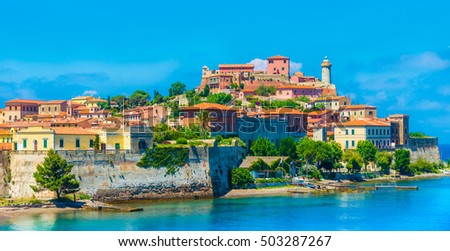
(278, 65)
(222, 118)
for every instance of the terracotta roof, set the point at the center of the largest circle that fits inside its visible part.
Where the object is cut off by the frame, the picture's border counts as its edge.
(330, 98)
(24, 101)
(314, 120)
(277, 57)
(72, 131)
(359, 107)
(247, 162)
(5, 146)
(208, 106)
(3, 131)
(81, 108)
(316, 113)
(296, 87)
(69, 121)
(53, 102)
(281, 111)
(363, 122)
(236, 65)
(24, 124)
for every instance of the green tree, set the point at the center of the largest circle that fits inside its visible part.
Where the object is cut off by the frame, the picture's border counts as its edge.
(384, 160)
(157, 98)
(205, 92)
(204, 117)
(354, 163)
(336, 152)
(263, 147)
(265, 91)
(402, 161)
(177, 88)
(288, 147)
(138, 98)
(121, 101)
(417, 135)
(97, 142)
(367, 150)
(54, 174)
(219, 98)
(306, 150)
(241, 178)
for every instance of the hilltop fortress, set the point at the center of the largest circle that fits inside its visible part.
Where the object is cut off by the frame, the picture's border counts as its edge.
(277, 74)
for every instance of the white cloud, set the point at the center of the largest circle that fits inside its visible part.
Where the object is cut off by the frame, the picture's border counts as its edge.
(261, 65)
(295, 67)
(89, 93)
(398, 75)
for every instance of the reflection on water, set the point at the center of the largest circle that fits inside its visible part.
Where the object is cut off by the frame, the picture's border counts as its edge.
(425, 209)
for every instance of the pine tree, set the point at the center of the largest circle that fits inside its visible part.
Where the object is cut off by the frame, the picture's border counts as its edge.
(54, 174)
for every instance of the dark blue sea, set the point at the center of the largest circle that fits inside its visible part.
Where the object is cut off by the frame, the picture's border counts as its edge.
(444, 149)
(425, 209)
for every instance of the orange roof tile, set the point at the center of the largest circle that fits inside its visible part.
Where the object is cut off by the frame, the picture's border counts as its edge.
(330, 98)
(359, 107)
(5, 146)
(236, 65)
(26, 101)
(296, 87)
(281, 111)
(363, 122)
(277, 57)
(3, 131)
(72, 131)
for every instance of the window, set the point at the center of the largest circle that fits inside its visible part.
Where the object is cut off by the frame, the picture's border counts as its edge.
(282, 68)
(346, 144)
(49, 109)
(42, 108)
(45, 143)
(270, 61)
(360, 113)
(274, 68)
(353, 131)
(284, 61)
(91, 143)
(353, 143)
(24, 143)
(354, 113)
(117, 146)
(56, 108)
(346, 132)
(77, 143)
(61, 143)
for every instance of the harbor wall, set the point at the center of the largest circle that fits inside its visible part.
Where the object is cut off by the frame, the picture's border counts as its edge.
(115, 177)
(425, 148)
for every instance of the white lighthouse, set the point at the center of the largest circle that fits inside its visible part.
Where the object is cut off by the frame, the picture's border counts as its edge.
(326, 71)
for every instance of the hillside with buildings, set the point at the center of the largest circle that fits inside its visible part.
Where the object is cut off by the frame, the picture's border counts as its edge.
(233, 101)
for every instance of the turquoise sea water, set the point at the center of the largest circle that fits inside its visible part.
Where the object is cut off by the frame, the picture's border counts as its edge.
(425, 209)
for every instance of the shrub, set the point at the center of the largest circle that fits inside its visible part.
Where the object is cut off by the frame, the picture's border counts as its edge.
(241, 178)
(181, 141)
(164, 157)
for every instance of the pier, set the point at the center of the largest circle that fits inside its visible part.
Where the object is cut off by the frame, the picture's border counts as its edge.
(394, 185)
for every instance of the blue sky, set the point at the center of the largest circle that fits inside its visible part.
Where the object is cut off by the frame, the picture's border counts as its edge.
(393, 54)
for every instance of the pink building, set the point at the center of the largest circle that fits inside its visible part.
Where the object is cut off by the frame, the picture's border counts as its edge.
(299, 77)
(294, 91)
(278, 65)
(235, 68)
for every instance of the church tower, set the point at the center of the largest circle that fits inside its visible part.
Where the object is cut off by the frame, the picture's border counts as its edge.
(326, 71)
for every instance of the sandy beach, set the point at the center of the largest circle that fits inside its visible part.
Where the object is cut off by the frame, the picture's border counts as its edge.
(13, 212)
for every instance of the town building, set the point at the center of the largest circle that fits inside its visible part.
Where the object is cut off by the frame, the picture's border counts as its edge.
(356, 112)
(285, 92)
(222, 118)
(399, 129)
(6, 139)
(271, 124)
(17, 109)
(332, 103)
(278, 65)
(53, 107)
(349, 133)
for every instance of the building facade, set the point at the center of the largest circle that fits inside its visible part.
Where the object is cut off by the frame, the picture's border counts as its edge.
(349, 133)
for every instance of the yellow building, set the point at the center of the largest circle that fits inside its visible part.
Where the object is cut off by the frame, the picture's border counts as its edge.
(333, 103)
(355, 112)
(33, 139)
(57, 138)
(348, 134)
(54, 107)
(6, 139)
(74, 138)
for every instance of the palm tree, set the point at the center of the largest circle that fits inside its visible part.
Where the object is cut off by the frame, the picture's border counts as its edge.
(204, 118)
